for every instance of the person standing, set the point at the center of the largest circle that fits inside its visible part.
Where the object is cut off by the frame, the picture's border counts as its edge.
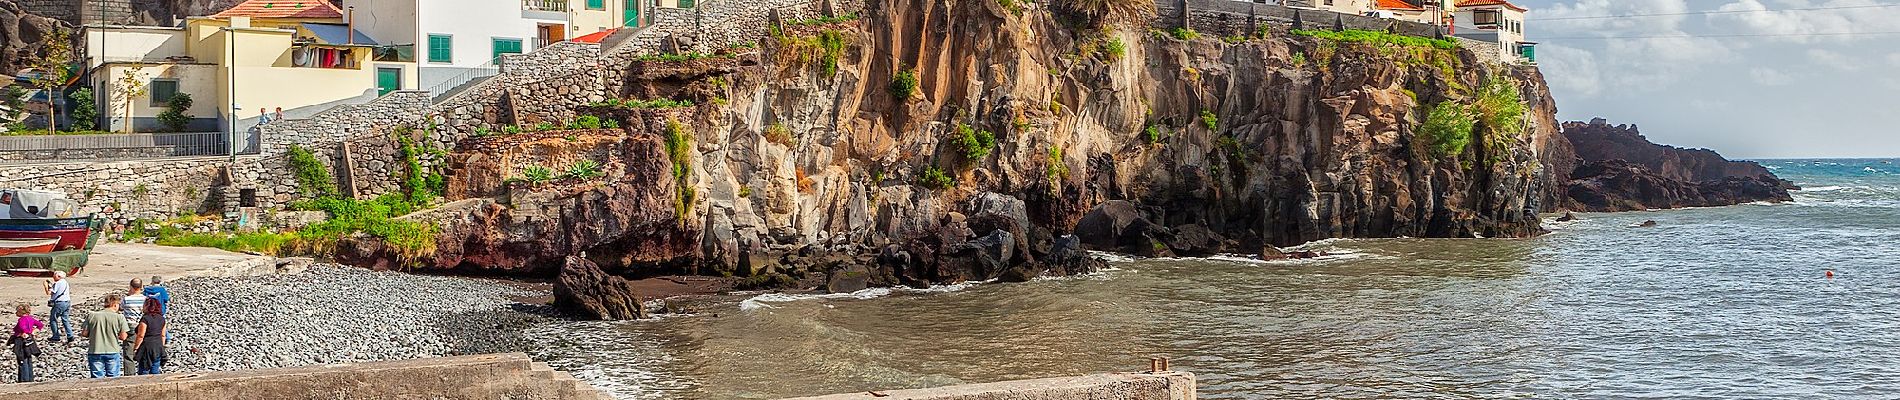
(105, 329)
(25, 346)
(133, 307)
(60, 298)
(150, 340)
(279, 115)
(263, 116)
(157, 291)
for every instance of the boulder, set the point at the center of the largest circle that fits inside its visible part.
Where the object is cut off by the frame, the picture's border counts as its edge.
(1067, 257)
(1120, 226)
(1195, 240)
(586, 290)
(981, 258)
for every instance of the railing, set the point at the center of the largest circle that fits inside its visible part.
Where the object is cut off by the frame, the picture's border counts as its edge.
(544, 5)
(119, 146)
(471, 75)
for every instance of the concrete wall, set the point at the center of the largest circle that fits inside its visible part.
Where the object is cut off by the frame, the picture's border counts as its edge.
(1173, 385)
(499, 376)
(197, 80)
(138, 43)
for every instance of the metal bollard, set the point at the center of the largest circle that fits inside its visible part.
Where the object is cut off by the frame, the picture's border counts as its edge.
(1157, 365)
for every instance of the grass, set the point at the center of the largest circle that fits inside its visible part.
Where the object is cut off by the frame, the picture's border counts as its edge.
(679, 151)
(1377, 38)
(1114, 50)
(1057, 169)
(777, 132)
(935, 178)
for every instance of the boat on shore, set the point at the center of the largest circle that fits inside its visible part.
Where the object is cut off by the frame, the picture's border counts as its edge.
(42, 232)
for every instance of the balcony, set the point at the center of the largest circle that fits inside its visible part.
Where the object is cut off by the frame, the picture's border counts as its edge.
(545, 5)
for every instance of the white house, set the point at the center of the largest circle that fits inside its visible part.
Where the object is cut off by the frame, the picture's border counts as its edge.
(451, 38)
(1496, 21)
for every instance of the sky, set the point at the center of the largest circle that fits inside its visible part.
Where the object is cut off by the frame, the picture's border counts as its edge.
(1785, 96)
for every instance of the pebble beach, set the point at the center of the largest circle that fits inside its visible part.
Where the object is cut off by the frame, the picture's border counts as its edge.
(327, 314)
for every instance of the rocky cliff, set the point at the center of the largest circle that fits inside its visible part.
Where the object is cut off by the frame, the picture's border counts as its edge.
(22, 35)
(1620, 170)
(945, 141)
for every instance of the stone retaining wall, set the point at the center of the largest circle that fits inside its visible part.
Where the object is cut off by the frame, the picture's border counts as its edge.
(483, 377)
(126, 190)
(1228, 17)
(722, 24)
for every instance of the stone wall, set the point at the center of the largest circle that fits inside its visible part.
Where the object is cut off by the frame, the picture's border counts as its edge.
(1164, 385)
(496, 376)
(347, 121)
(122, 191)
(721, 24)
(1489, 52)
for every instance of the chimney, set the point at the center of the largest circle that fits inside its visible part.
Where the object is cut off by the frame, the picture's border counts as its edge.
(352, 26)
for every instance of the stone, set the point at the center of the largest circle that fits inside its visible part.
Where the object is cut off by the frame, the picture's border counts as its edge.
(586, 290)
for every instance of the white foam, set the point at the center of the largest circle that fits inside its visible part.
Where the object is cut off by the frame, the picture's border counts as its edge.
(1111, 257)
(762, 301)
(1822, 189)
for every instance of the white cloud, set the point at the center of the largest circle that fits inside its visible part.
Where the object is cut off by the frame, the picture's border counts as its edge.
(1894, 59)
(1770, 76)
(1570, 70)
(1833, 59)
(1802, 26)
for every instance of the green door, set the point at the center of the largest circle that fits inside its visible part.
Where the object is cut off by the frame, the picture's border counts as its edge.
(631, 17)
(388, 80)
(506, 46)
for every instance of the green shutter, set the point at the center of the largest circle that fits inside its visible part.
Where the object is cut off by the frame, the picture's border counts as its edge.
(162, 91)
(506, 46)
(630, 16)
(441, 49)
(596, 4)
(686, 3)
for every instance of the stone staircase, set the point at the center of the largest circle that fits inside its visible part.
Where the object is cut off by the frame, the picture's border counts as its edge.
(566, 386)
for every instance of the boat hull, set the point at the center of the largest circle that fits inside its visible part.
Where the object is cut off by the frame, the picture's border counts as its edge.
(21, 246)
(73, 233)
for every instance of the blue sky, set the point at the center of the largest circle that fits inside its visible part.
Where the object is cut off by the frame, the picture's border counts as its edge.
(1748, 97)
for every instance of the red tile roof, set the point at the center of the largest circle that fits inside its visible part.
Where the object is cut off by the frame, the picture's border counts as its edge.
(1478, 3)
(283, 9)
(1398, 5)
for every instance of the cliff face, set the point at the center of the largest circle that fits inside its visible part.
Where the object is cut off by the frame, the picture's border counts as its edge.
(22, 35)
(1620, 170)
(797, 166)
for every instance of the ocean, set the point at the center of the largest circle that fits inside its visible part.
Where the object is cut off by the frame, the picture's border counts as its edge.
(1723, 302)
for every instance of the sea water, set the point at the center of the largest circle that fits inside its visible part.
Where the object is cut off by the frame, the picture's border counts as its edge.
(1725, 302)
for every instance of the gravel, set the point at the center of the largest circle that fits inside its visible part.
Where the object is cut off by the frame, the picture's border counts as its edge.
(328, 314)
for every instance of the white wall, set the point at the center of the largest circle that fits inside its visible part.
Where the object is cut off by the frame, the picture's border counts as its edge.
(389, 22)
(472, 24)
(133, 44)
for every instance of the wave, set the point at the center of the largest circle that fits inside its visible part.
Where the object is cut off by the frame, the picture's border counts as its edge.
(1822, 189)
(760, 301)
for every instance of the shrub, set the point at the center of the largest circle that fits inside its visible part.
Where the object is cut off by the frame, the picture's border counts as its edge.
(85, 112)
(481, 131)
(1153, 134)
(587, 122)
(1184, 34)
(1299, 59)
(1209, 120)
(679, 151)
(1114, 50)
(935, 178)
(1012, 6)
(511, 129)
(1500, 107)
(1057, 169)
(537, 174)
(777, 132)
(972, 143)
(1447, 129)
(410, 239)
(176, 115)
(544, 126)
(313, 178)
(904, 85)
(745, 191)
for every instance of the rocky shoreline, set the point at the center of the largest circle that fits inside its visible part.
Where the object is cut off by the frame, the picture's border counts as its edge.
(328, 314)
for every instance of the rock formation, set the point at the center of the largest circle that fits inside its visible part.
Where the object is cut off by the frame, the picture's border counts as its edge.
(1620, 170)
(585, 289)
(22, 35)
(1023, 142)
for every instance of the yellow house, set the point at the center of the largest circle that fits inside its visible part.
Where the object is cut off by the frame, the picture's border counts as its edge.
(251, 60)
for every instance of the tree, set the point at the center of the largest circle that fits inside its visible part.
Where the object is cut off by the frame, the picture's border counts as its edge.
(174, 116)
(131, 87)
(56, 57)
(85, 111)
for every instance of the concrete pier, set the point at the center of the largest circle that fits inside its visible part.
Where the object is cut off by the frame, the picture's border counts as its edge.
(1165, 385)
(494, 376)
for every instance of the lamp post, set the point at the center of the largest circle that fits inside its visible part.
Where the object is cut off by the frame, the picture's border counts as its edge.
(230, 75)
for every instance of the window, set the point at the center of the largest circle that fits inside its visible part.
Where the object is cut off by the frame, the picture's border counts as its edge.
(162, 91)
(441, 49)
(506, 46)
(596, 4)
(689, 3)
(1484, 17)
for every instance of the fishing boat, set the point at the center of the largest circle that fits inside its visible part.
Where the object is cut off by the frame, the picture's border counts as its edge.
(42, 232)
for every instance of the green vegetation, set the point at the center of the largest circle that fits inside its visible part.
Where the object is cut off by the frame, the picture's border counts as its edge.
(313, 178)
(537, 174)
(935, 178)
(376, 218)
(544, 126)
(175, 233)
(824, 20)
(1299, 59)
(1153, 134)
(585, 122)
(1012, 6)
(972, 143)
(1500, 107)
(642, 104)
(745, 191)
(22, 131)
(1057, 168)
(904, 85)
(1447, 129)
(176, 115)
(481, 131)
(85, 112)
(583, 169)
(777, 132)
(679, 150)
(1099, 13)
(420, 184)
(1184, 34)
(1114, 49)
(1377, 38)
(826, 47)
(1209, 120)
(1055, 106)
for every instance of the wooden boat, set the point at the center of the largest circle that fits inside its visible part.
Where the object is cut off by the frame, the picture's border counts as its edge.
(18, 246)
(40, 231)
